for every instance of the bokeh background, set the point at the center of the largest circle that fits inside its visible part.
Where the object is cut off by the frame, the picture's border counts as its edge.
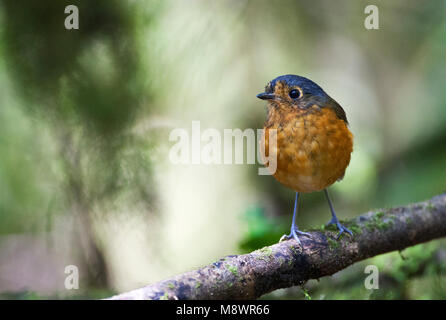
(85, 117)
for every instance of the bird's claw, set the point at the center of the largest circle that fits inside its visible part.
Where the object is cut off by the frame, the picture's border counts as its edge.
(294, 234)
(341, 228)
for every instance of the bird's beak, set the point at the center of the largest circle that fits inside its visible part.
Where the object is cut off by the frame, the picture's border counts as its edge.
(266, 96)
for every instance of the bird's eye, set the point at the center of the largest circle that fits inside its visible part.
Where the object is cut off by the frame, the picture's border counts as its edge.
(294, 94)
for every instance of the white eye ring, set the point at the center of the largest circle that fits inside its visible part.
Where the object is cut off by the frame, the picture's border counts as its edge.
(295, 93)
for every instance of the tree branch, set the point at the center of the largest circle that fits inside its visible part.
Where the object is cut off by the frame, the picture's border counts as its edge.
(286, 264)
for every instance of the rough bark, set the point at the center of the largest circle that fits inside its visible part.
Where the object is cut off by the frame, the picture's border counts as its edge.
(286, 264)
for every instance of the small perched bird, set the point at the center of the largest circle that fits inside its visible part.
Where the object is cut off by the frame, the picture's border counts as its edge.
(313, 140)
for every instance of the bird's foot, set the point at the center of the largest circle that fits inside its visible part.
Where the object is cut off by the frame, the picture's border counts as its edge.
(294, 234)
(341, 228)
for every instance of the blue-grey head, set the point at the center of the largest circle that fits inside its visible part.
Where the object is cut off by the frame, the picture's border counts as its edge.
(292, 91)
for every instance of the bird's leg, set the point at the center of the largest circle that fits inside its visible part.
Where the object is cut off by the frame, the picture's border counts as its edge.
(294, 229)
(334, 219)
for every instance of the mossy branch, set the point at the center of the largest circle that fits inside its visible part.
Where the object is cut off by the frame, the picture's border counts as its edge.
(286, 264)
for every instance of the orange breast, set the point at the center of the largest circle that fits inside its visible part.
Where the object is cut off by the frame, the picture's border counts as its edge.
(313, 148)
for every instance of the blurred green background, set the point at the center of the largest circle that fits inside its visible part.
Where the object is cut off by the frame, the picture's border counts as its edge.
(85, 117)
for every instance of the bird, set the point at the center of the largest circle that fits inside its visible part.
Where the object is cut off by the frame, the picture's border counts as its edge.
(313, 141)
